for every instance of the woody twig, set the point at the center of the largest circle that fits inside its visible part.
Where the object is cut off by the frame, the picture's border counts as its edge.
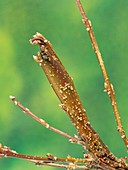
(50, 160)
(99, 156)
(108, 86)
(72, 139)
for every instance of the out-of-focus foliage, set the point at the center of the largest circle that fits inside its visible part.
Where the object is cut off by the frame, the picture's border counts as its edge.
(60, 22)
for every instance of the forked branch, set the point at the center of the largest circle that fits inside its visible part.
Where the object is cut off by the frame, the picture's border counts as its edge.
(108, 86)
(98, 157)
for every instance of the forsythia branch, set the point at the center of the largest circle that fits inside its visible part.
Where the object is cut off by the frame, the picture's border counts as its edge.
(108, 86)
(49, 160)
(64, 88)
(72, 139)
(99, 156)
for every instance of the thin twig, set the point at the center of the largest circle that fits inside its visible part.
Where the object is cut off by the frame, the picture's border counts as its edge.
(72, 139)
(108, 86)
(50, 160)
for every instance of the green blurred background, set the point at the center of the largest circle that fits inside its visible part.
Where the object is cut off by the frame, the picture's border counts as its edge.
(60, 22)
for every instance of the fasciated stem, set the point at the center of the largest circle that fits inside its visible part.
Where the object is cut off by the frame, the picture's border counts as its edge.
(64, 88)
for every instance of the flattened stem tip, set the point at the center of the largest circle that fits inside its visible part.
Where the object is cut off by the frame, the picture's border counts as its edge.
(38, 39)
